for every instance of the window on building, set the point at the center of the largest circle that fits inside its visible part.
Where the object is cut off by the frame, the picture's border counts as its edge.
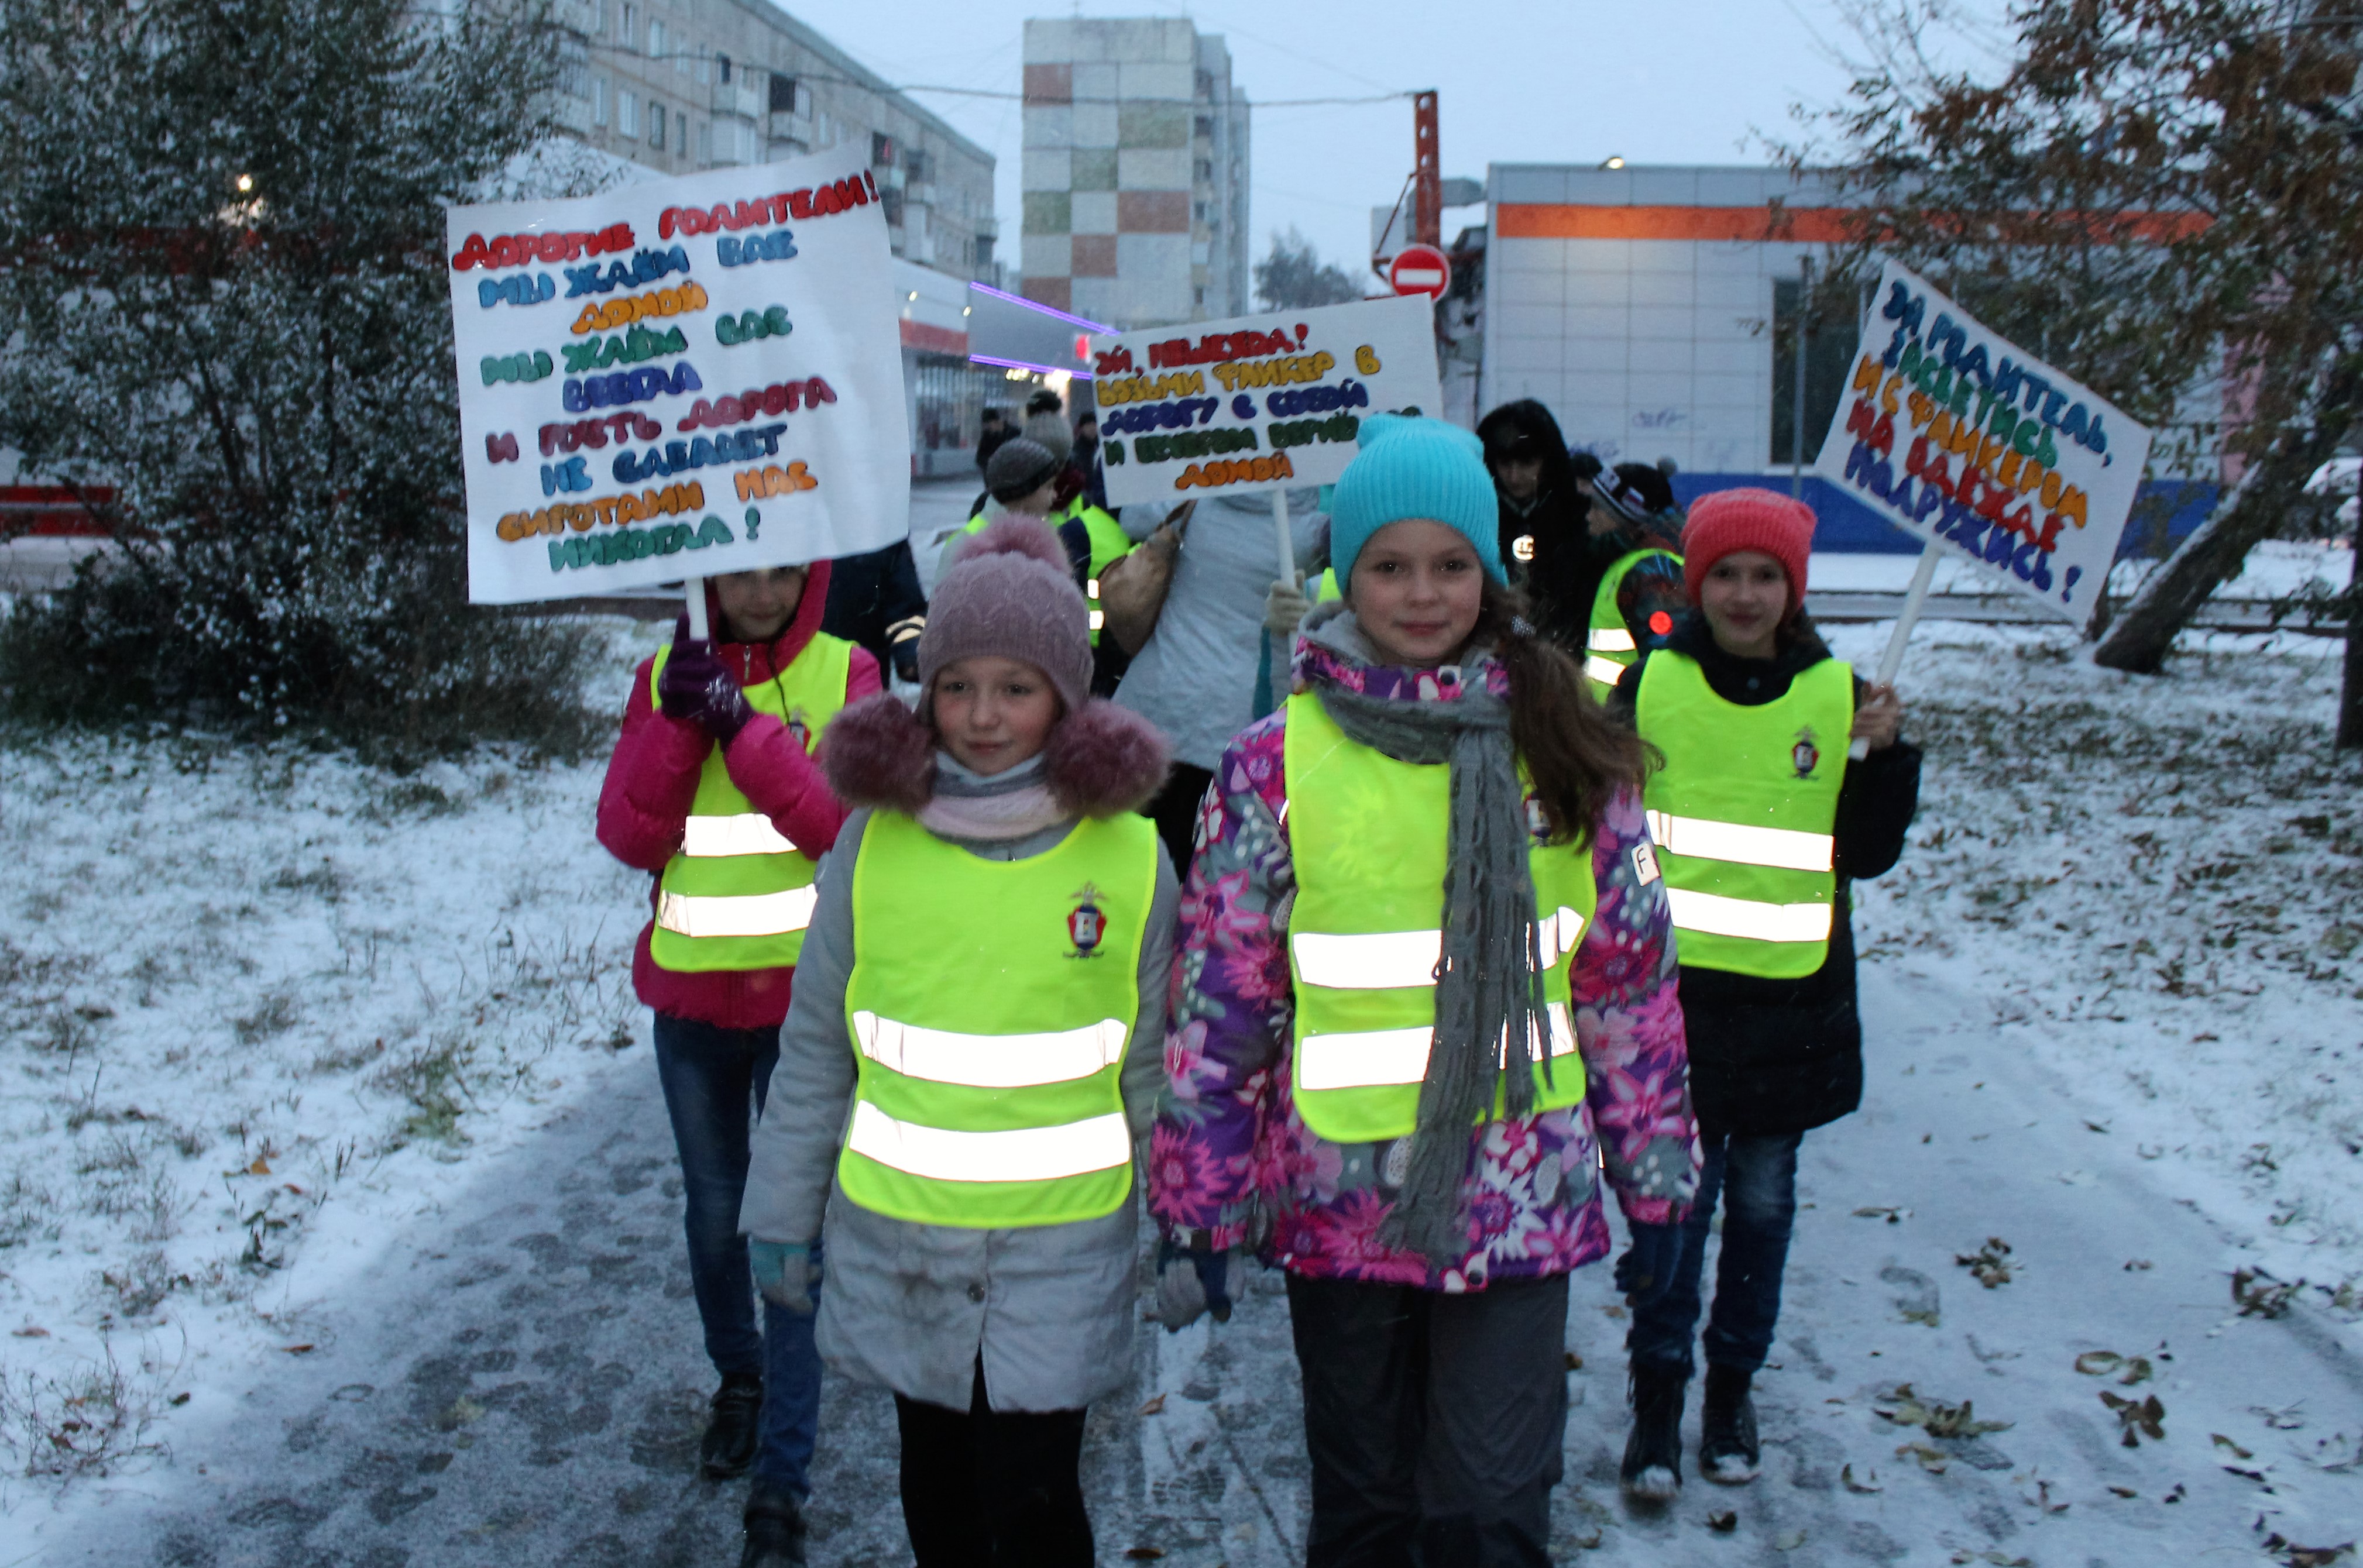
(706, 141)
(706, 69)
(722, 66)
(1206, 127)
(628, 113)
(882, 149)
(627, 21)
(598, 100)
(680, 134)
(656, 126)
(784, 94)
(1206, 171)
(656, 40)
(1832, 328)
(682, 50)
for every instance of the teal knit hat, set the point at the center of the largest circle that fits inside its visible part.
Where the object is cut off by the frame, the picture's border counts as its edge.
(1415, 468)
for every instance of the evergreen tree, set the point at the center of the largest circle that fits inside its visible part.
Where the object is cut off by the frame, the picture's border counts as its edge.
(228, 307)
(1293, 277)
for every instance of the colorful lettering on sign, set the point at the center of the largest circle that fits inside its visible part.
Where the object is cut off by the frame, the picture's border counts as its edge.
(1216, 346)
(1193, 443)
(596, 433)
(524, 250)
(780, 397)
(607, 511)
(629, 387)
(1148, 389)
(680, 457)
(501, 449)
(813, 200)
(639, 307)
(625, 349)
(627, 545)
(1274, 372)
(646, 266)
(533, 367)
(1348, 394)
(1179, 415)
(755, 484)
(776, 246)
(750, 326)
(1304, 432)
(522, 290)
(1238, 470)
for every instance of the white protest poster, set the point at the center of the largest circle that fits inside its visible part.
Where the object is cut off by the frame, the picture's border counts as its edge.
(1965, 440)
(682, 378)
(1258, 403)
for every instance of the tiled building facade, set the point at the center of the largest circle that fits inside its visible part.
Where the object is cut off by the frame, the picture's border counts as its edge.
(680, 85)
(1135, 173)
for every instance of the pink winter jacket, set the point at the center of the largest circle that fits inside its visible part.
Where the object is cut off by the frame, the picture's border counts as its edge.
(652, 778)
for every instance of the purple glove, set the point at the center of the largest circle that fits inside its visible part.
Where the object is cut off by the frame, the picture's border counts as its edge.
(694, 685)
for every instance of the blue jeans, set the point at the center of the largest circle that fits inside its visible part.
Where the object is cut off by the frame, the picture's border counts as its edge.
(715, 1081)
(1756, 1179)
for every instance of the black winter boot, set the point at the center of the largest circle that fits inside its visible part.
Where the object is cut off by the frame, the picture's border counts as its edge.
(1728, 1450)
(775, 1530)
(729, 1446)
(1653, 1454)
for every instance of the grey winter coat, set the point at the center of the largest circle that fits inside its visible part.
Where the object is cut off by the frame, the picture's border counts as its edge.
(1051, 1309)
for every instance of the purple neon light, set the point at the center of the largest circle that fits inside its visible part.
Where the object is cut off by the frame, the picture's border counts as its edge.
(1037, 305)
(1030, 365)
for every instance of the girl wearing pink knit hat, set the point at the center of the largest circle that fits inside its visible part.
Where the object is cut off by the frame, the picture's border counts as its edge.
(974, 1048)
(1761, 822)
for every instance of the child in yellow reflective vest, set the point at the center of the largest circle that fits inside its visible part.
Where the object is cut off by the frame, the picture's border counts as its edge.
(972, 1054)
(1760, 820)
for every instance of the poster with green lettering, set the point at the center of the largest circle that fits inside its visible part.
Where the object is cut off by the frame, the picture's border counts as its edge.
(1262, 402)
(1959, 436)
(678, 379)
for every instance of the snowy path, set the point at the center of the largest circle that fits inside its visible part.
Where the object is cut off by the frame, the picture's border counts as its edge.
(528, 1387)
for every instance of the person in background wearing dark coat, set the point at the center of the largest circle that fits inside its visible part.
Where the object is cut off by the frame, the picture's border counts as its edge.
(874, 602)
(1759, 816)
(1543, 515)
(992, 429)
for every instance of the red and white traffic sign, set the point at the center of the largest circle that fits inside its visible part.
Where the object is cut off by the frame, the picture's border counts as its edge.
(1420, 269)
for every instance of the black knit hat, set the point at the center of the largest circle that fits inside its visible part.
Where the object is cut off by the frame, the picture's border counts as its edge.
(1635, 491)
(1017, 469)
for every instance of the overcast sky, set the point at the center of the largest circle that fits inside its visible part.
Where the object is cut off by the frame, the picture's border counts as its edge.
(1519, 80)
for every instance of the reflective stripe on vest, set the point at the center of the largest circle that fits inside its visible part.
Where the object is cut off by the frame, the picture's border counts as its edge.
(1611, 643)
(752, 914)
(1367, 837)
(1742, 814)
(1019, 1154)
(738, 896)
(1109, 544)
(1702, 839)
(990, 1061)
(1000, 1103)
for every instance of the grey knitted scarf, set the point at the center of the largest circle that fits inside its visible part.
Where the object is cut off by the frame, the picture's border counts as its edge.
(1490, 988)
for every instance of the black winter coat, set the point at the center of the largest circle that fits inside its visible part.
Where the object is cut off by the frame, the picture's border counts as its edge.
(1779, 1056)
(875, 602)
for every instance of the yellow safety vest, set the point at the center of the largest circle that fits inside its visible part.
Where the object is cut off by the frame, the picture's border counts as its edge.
(1328, 588)
(1742, 814)
(1609, 651)
(738, 896)
(1367, 836)
(989, 1007)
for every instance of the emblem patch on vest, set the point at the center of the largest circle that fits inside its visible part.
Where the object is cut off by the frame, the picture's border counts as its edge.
(1805, 756)
(1087, 923)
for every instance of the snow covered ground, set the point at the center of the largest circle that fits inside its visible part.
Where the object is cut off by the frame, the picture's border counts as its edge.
(2112, 1001)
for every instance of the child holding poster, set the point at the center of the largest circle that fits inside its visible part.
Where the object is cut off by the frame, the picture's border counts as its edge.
(1760, 822)
(1425, 997)
(714, 791)
(975, 1048)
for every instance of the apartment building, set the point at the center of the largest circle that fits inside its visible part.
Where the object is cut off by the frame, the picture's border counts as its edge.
(1136, 172)
(681, 85)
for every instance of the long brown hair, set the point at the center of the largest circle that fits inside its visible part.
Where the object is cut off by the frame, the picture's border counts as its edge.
(1577, 755)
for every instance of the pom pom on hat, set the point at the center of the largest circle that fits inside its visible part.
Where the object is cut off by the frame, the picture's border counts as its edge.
(1409, 466)
(1726, 521)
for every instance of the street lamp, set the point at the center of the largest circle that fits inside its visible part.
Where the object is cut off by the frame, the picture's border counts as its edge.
(1613, 160)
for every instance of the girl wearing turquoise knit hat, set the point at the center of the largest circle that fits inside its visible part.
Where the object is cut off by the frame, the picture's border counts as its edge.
(1423, 1003)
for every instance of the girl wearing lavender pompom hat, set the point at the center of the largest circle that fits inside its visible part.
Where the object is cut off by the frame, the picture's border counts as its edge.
(974, 1050)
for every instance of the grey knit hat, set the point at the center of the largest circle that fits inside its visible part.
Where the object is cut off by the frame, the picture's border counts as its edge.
(1011, 593)
(1018, 467)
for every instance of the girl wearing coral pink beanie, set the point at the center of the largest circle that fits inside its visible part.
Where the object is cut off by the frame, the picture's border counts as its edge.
(974, 1048)
(1760, 822)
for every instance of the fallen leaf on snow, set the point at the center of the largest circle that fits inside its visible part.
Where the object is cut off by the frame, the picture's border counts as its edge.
(299, 1349)
(260, 1167)
(2297, 1556)
(2139, 1417)
(2260, 1295)
(2137, 1265)
(1155, 1407)
(1868, 1482)
(180, 1398)
(1938, 1418)
(1574, 1361)
(2285, 1420)
(1889, 1212)
(29, 1332)
(1932, 1460)
(1991, 1265)
(1723, 1523)
(2223, 1442)
(2124, 1491)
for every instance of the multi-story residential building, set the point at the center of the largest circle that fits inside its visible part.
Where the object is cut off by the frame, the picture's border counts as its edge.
(680, 85)
(1136, 172)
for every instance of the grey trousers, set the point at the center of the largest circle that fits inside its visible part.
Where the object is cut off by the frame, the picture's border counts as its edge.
(1433, 1422)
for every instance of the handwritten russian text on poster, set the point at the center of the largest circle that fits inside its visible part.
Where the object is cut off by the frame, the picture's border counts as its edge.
(1961, 437)
(684, 377)
(1258, 403)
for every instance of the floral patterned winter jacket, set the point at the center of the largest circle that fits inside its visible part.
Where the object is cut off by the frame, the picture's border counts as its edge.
(1231, 1162)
